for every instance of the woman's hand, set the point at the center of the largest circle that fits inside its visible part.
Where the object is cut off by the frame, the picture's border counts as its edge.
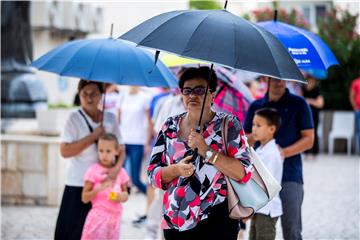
(112, 173)
(105, 184)
(196, 140)
(99, 131)
(184, 168)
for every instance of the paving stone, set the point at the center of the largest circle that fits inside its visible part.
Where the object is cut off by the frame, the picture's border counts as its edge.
(330, 208)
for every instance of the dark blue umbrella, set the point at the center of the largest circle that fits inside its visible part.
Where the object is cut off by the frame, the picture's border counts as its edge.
(107, 60)
(217, 36)
(308, 50)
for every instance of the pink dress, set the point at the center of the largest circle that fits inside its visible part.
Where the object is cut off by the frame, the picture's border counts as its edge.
(103, 220)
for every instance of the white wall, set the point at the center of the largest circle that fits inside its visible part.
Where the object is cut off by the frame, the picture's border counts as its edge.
(124, 15)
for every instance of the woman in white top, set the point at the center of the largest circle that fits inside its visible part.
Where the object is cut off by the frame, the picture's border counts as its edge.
(78, 146)
(134, 127)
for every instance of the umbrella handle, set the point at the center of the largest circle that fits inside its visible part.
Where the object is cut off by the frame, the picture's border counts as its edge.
(202, 110)
(195, 154)
(103, 108)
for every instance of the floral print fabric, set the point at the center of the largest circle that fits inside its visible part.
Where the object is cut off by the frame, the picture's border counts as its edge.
(188, 200)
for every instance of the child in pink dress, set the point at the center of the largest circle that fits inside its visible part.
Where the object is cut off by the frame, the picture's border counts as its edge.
(106, 196)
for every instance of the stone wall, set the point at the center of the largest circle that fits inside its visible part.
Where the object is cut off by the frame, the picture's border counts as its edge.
(32, 171)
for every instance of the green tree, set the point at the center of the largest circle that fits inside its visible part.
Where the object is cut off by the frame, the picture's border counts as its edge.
(208, 4)
(338, 30)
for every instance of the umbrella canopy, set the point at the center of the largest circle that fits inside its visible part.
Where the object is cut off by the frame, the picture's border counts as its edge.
(217, 36)
(232, 95)
(308, 50)
(107, 60)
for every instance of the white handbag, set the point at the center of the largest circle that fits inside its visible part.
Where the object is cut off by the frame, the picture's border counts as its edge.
(244, 199)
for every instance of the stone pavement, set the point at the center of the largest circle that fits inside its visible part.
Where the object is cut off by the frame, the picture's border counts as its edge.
(330, 208)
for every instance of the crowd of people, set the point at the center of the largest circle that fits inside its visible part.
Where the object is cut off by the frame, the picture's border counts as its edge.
(117, 131)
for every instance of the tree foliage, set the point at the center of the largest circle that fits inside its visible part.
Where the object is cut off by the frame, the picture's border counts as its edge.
(208, 4)
(338, 30)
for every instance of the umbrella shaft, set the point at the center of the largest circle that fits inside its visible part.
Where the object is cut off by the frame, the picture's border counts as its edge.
(206, 91)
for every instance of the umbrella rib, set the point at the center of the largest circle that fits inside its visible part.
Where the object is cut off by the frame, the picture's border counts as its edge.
(270, 49)
(93, 62)
(75, 52)
(198, 26)
(235, 37)
(119, 68)
(143, 72)
(150, 33)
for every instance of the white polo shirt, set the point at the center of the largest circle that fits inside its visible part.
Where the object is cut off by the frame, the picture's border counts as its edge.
(76, 129)
(271, 157)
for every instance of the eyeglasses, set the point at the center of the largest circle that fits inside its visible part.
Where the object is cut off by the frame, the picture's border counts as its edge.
(198, 91)
(91, 95)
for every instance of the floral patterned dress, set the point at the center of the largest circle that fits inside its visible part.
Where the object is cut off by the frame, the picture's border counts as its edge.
(187, 201)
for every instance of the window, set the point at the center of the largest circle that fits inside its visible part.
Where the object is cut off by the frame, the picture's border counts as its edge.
(320, 11)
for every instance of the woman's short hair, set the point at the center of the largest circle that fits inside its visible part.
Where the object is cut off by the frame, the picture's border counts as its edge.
(83, 83)
(201, 72)
(110, 137)
(271, 115)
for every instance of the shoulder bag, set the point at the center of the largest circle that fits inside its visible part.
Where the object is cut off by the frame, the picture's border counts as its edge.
(244, 199)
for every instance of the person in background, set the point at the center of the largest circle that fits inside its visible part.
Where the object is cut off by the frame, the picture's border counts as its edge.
(312, 95)
(111, 96)
(155, 104)
(355, 103)
(265, 124)
(254, 86)
(78, 146)
(171, 106)
(295, 135)
(263, 85)
(294, 87)
(134, 127)
(106, 195)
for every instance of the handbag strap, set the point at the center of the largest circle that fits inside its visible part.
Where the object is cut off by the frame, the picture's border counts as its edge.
(224, 132)
(87, 122)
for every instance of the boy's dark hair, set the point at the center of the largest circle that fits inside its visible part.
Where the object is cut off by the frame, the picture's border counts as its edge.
(83, 83)
(271, 115)
(110, 137)
(201, 72)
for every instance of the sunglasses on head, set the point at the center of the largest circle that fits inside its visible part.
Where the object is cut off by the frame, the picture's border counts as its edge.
(198, 91)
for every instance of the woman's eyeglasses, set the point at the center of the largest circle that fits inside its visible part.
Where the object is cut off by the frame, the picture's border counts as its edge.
(198, 91)
(91, 95)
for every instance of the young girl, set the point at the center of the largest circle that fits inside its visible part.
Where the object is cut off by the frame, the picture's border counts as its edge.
(106, 196)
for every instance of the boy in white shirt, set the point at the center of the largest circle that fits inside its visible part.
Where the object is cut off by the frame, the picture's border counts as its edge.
(265, 124)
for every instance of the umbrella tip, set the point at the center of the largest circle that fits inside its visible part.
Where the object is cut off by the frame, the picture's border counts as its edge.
(157, 53)
(225, 5)
(275, 15)
(111, 30)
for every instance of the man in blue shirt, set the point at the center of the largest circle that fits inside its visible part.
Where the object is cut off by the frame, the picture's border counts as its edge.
(295, 135)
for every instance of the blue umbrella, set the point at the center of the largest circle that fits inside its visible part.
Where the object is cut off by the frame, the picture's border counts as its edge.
(309, 52)
(107, 60)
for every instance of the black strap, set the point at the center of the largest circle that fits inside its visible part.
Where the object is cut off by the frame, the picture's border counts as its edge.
(87, 122)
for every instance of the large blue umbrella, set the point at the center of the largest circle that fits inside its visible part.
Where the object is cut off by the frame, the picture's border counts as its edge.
(107, 60)
(309, 52)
